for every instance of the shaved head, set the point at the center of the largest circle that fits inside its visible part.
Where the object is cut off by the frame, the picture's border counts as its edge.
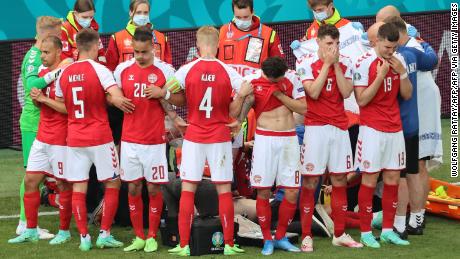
(373, 31)
(386, 12)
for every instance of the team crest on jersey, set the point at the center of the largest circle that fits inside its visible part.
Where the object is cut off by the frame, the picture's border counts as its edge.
(152, 78)
(127, 42)
(366, 164)
(310, 167)
(257, 178)
(259, 88)
(301, 71)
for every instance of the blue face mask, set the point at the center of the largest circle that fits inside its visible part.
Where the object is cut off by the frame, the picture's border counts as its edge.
(141, 20)
(85, 23)
(242, 24)
(320, 16)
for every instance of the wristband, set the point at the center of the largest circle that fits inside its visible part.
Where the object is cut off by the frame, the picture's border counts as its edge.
(403, 76)
(168, 95)
(51, 76)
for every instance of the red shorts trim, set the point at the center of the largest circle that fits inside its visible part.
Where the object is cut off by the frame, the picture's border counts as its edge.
(276, 133)
(288, 187)
(81, 181)
(109, 179)
(221, 182)
(376, 172)
(190, 181)
(159, 183)
(261, 187)
(341, 172)
(132, 181)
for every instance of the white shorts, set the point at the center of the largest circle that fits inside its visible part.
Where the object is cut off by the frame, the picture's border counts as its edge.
(276, 157)
(326, 147)
(218, 155)
(377, 151)
(147, 162)
(80, 159)
(48, 159)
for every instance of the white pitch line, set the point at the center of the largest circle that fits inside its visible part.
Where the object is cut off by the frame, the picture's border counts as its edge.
(51, 213)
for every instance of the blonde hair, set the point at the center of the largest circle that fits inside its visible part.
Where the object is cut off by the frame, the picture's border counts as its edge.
(45, 23)
(207, 35)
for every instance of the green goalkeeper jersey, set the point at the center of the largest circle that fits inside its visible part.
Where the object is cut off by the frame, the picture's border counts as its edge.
(30, 115)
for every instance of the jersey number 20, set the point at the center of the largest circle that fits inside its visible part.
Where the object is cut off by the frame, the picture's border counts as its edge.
(206, 104)
(79, 111)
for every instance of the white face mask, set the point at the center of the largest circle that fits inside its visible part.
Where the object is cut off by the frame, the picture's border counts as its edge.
(242, 24)
(85, 23)
(320, 16)
(141, 20)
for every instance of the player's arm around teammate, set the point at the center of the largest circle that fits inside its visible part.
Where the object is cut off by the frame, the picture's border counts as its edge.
(47, 156)
(326, 79)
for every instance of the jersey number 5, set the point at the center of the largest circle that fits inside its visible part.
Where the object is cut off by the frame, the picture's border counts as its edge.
(206, 104)
(80, 111)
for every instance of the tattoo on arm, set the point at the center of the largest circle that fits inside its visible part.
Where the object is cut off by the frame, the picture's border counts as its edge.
(247, 105)
(168, 108)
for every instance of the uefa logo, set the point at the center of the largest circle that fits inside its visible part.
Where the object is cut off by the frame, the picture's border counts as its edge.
(217, 239)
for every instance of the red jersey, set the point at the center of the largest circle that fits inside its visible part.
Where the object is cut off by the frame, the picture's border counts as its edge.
(328, 109)
(263, 90)
(382, 112)
(52, 128)
(146, 125)
(208, 85)
(83, 85)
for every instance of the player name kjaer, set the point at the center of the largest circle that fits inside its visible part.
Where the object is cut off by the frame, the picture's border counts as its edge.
(208, 78)
(76, 78)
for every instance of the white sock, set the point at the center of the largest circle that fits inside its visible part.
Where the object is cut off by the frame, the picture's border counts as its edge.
(400, 223)
(375, 214)
(364, 233)
(87, 237)
(104, 233)
(415, 219)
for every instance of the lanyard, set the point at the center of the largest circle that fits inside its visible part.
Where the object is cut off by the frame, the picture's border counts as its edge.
(247, 35)
(155, 40)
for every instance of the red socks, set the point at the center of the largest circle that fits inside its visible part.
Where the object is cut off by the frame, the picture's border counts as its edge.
(227, 214)
(264, 215)
(31, 204)
(156, 207)
(79, 211)
(307, 206)
(136, 209)
(109, 208)
(286, 214)
(65, 209)
(339, 209)
(389, 204)
(186, 207)
(365, 196)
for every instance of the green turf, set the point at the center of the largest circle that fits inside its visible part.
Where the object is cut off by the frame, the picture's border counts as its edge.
(441, 239)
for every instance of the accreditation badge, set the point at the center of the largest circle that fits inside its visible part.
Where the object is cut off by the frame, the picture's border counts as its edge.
(254, 50)
(157, 50)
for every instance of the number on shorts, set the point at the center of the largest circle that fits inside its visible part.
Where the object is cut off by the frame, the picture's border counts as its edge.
(158, 173)
(297, 177)
(348, 162)
(79, 112)
(61, 168)
(387, 84)
(329, 85)
(139, 90)
(206, 104)
(401, 159)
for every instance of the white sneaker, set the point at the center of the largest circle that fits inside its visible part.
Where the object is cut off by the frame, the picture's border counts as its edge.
(44, 234)
(307, 245)
(22, 225)
(346, 241)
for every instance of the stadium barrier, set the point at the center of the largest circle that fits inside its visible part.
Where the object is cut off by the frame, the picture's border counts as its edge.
(434, 27)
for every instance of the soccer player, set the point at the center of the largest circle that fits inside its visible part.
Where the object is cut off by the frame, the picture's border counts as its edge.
(380, 77)
(143, 148)
(327, 80)
(208, 85)
(30, 115)
(47, 155)
(81, 17)
(120, 47)
(277, 94)
(245, 42)
(83, 86)
(410, 185)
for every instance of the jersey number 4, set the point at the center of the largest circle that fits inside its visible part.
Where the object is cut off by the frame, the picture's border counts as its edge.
(206, 104)
(80, 110)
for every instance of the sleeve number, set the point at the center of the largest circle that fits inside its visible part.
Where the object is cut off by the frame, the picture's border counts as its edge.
(80, 111)
(158, 173)
(206, 104)
(139, 90)
(387, 84)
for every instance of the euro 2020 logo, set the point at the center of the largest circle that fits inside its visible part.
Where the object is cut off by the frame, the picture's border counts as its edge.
(217, 239)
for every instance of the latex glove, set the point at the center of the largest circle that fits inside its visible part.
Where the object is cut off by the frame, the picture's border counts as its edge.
(358, 26)
(295, 44)
(412, 31)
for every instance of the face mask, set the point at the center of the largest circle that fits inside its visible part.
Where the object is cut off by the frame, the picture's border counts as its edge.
(85, 23)
(141, 20)
(320, 16)
(242, 24)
